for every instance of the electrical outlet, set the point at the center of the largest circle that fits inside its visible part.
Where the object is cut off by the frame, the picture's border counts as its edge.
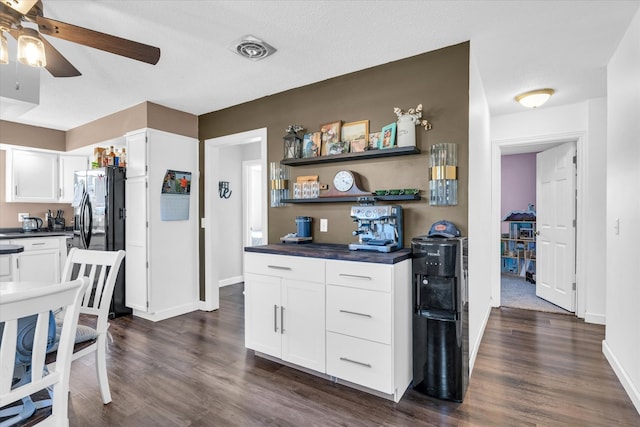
(324, 225)
(22, 215)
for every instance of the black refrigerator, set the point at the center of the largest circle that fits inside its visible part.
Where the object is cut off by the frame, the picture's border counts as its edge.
(440, 317)
(99, 220)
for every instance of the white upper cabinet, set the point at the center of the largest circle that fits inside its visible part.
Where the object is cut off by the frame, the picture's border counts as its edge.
(40, 176)
(68, 165)
(32, 176)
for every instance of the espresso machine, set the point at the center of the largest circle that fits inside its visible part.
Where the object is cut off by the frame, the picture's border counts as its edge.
(379, 227)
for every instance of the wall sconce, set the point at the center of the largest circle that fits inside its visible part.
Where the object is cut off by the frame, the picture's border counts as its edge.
(279, 177)
(535, 98)
(293, 143)
(443, 172)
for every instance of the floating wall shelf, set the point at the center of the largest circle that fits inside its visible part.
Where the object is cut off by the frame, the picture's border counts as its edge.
(404, 197)
(368, 154)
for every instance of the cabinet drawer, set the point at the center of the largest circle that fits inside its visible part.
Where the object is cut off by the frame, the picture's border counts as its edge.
(362, 275)
(288, 267)
(360, 361)
(37, 244)
(359, 313)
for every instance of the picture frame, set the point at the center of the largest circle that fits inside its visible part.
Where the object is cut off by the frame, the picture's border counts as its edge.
(330, 134)
(358, 145)
(355, 132)
(374, 141)
(311, 144)
(339, 147)
(388, 136)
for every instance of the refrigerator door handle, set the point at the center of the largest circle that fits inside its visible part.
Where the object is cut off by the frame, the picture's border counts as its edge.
(86, 221)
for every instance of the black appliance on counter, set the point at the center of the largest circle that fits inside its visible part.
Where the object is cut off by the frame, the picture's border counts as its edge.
(440, 317)
(99, 220)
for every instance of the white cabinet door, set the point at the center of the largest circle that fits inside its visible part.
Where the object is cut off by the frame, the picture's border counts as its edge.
(136, 267)
(32, 176)
(302, 324)
(264, 313)
(39, 266)
(136, 154)
(68, 165)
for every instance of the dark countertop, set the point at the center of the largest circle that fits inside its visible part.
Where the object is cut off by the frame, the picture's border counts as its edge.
(16, 233)
(11, 249)
(331, 251)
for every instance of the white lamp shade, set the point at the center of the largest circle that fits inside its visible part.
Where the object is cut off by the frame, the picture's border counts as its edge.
(31, 49)
(534, 98)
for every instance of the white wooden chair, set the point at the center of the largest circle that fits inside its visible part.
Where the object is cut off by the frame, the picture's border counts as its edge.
(38, 301)
(101, 268)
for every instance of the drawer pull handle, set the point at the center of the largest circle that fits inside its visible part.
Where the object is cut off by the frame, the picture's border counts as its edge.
(357, 314)
(277, 267)
(38, 244)
(356, 362)
(354, 276)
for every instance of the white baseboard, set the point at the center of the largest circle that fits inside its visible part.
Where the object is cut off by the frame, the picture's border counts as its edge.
(206, 306)
(473, 352)
(596, 318)
(168, 313)
(623, 377)
(230, 281)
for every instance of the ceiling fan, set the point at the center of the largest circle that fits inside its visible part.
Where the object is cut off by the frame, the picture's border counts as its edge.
(14, 12)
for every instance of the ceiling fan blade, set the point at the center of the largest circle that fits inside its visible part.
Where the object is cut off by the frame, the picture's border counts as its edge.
(22, 6)
(57, 64)
(108, 43)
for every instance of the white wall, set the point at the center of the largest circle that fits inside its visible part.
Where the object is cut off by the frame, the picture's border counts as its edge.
(585, 121)
(229, 211)
(229, 214)
(622, 342)
(480, 243)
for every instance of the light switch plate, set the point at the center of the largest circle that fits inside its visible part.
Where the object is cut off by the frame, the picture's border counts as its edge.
(22, 215)
(324, 225)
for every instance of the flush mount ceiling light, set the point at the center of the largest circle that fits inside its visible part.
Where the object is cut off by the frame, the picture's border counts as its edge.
(534, 98)
(253, 48)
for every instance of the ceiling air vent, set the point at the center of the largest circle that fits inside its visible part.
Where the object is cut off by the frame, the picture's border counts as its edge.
(253, 48)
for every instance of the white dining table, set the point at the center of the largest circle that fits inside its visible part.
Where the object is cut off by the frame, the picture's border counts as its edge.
(19, 290)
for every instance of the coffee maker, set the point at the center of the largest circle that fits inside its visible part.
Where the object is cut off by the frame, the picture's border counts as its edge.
(379, 227)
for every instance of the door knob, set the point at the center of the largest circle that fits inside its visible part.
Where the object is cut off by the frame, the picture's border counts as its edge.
(538, 233)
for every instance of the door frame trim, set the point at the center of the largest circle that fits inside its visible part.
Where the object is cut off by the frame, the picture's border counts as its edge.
(528, 145)
(211, 157)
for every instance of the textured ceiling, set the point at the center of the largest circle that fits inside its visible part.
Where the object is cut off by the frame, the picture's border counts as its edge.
(518, 46)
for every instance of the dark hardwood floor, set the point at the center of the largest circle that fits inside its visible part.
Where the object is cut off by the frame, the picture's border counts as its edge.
(533, 369)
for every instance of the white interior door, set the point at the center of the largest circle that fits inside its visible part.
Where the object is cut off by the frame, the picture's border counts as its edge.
(556, 212)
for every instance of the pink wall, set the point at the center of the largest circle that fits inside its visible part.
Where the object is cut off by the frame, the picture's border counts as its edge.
(518, 183)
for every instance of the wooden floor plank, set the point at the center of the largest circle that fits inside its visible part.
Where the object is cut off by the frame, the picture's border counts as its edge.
(532, 369)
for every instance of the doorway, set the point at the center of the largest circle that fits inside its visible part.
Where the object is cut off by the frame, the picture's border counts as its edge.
(253, 182)
(531, 145)
(223, 220)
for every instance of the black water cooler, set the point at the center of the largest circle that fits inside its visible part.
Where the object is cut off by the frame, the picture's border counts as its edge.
(440, 317)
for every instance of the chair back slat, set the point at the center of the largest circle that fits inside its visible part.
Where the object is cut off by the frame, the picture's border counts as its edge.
(8, 354)
(39, 346)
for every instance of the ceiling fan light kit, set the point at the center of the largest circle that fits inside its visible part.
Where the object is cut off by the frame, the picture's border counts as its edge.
(534, 98)
(36, 51)
(4, 50)
(31, 49)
